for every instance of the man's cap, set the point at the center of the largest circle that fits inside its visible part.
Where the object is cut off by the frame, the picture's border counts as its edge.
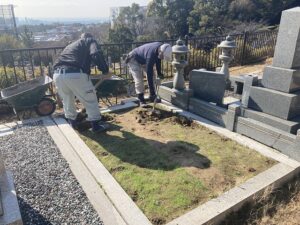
(167, 52)
(86, 35)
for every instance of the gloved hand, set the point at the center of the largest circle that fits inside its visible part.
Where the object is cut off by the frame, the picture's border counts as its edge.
(161, 76)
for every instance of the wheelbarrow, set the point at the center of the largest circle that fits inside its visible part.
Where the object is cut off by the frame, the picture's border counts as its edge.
(108, 86)
(30, 95)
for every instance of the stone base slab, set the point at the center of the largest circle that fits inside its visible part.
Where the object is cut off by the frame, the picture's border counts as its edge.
(11, 212)
(178, 98)
(281, 124)
(209, 111)
(276, 103)
(280, 79)
(268, 135)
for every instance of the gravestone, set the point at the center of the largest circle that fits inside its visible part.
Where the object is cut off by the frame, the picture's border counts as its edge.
(280, 95)
(271, 113)
(207, 85)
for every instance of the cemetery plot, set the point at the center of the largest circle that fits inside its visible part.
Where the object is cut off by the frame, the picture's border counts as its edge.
(168, 164)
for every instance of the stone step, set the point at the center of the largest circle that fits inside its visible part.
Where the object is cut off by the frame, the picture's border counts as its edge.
(281, 124)
(268, 135)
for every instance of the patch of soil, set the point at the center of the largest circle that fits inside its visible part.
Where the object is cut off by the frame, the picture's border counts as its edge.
(158, 221)
(134, 196)
(117, 169)
(146, 115)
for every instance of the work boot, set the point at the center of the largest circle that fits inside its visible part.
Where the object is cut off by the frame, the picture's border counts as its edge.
(73, 123)
(98, 126)
(142, 100)
(154, 98)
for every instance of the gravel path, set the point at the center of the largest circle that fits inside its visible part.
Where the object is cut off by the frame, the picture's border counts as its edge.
(48, 192)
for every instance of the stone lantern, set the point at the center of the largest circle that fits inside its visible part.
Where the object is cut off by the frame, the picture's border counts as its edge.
(180, 54)
(227, 47)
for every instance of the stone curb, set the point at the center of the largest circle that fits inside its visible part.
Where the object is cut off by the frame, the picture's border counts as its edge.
(215, 210)
(95, 194)
(11, 211)
(123, 203)
(209, 213)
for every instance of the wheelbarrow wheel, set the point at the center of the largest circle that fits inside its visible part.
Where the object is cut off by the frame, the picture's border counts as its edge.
(45, 107)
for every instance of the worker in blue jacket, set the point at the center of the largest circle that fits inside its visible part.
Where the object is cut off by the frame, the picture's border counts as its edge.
(144, 58)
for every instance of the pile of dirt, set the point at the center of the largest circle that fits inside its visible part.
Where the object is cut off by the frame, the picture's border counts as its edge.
(148, 115)
(182, 120)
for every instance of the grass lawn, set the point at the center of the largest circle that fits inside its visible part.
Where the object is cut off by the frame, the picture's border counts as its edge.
(169, 169)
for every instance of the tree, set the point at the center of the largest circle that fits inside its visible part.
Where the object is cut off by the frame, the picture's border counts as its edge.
(27, 37)
(174, 13)
(120, 34)
(131, 21)
(209, 17)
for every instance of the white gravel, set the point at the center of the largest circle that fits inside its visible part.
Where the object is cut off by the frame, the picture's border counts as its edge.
(48, 192)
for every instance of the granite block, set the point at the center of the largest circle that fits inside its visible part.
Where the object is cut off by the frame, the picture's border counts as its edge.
(287, 50)
(281, 124)
(209, 111)
(249, 81)
(276, 103)
(178, 98)
(280, 79)
(266, 134)
(207, 85)
(234, 110)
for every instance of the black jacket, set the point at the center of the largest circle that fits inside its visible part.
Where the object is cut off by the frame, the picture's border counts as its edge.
(82, 54)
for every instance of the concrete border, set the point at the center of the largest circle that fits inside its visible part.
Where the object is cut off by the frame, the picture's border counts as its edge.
(126, 207)
(211, 212)
(11, 212)
(214, 210)
(107, 212)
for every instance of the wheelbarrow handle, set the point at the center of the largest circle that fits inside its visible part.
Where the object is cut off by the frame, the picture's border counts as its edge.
(103, 78)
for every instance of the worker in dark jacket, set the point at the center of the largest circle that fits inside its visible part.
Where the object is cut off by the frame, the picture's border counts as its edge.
(71, 77)
(143, 59)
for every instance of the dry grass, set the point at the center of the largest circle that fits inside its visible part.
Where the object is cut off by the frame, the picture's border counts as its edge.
(280, 206)
(169, 165)
(256, 68)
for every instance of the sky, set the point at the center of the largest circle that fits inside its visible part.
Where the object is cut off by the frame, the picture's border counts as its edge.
(67, 8)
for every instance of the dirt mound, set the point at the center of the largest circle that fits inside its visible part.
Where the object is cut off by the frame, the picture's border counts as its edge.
(146, 115)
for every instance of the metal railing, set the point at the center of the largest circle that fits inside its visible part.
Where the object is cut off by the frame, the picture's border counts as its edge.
(17, 65)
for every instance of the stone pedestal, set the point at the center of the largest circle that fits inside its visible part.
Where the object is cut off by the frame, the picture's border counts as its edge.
(280, 79)
(275, 103)
(176, 97)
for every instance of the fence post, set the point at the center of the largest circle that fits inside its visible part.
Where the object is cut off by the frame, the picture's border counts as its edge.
(244, 47)
(186, 38)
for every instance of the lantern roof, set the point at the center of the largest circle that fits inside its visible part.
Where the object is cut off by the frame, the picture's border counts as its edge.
(180, 47)
(228, 43)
